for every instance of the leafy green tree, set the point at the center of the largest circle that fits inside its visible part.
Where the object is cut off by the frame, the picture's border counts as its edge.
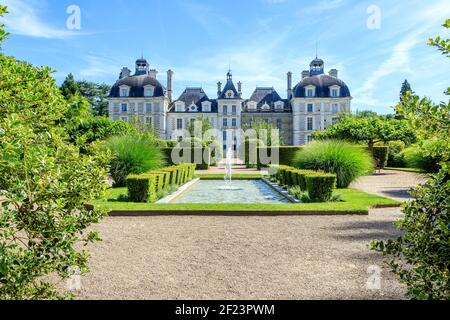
(265, 131)
(44, 183)
(421, 256)
(69, 87)
(96, 94)
(370, 130)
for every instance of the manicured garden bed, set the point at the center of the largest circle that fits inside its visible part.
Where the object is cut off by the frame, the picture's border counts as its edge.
(353, 202)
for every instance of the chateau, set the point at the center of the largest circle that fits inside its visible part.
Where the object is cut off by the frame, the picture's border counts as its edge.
(313, 104)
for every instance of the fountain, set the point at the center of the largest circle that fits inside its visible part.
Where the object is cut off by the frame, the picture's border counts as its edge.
(229, 172)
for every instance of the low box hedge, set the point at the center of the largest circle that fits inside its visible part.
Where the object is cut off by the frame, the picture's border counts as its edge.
(145, 187)
(320, 186)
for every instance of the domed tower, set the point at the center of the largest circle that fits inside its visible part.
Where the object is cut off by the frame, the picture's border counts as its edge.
(140, 97)
(318, 100)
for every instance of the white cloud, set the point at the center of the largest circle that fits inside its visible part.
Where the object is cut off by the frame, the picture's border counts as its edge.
(97, 67)
(23, 19)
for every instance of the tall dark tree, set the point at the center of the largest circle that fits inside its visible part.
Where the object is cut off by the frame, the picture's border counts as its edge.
(406, 87)
(96, 94)
(69, 88)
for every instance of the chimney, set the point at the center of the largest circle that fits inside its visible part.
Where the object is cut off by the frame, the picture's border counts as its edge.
(219, 88)
(289, 85)
(305, 74)
(152, 73)
(124, 73)
(333, 73)
(169, 84)
(240, 88)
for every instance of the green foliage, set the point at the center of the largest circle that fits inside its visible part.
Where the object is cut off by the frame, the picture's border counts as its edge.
(96, 94)
(93, 129)
(250, 152)
(346, 160)
(3, 33)
(132, 154)
(200, 156)
(320, 186)
(368, 130)
(415, 157)
(153, 185)
(45, 182)
(287, 154)
(421, 257)
(406, 87)
(265, 132)
(395, 158)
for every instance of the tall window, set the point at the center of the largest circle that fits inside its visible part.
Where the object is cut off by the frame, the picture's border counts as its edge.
(310, 124)
(335, 108)
(310, 93)
(179, 124)
(225, 109)
(148, 92)
(234, 109)
(279, 124)
(224, 136)
(124, 107)
(234, 123)
(148, 108)
(148, 120)
(310, 108)
(123, 92)
(334, 92)
(225, 123)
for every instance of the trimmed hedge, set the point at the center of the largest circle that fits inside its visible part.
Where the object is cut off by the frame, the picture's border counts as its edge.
(381, 155)
(319, 185)
(145, 187)
(287, 154)
(205, 163)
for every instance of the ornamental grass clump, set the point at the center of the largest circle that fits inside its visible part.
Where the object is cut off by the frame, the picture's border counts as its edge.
(346, 160)
(132, 154)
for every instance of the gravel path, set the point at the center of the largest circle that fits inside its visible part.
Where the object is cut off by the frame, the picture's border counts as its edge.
(324, 257)
(239, 258)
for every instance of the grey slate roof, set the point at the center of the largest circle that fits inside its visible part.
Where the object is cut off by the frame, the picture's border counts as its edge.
(229, 86)
(194, 96)
(268, 96)
(322, 82)
(137, 84)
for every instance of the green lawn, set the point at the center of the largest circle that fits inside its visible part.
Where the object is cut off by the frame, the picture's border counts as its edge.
(406, 169)
(354, 201)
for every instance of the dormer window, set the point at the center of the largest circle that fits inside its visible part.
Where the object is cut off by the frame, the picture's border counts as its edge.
(179, 107)
(251, 105)
(279, 105)
(265, 107)
(230, 94)
(124, 91)
(193, 108)
(149, 91)
(310, 92)
(206, 106)
(334, 91)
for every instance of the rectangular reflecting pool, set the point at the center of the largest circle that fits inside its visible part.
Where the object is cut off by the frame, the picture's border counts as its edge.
(241, 191)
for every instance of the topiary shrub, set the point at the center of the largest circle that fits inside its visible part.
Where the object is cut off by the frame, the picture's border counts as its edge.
(344, 159)
(395, 159)
(381, 153)
(320, 186)
(132, 154)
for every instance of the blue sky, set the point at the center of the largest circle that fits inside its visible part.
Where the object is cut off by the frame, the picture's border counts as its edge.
(260, 39)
